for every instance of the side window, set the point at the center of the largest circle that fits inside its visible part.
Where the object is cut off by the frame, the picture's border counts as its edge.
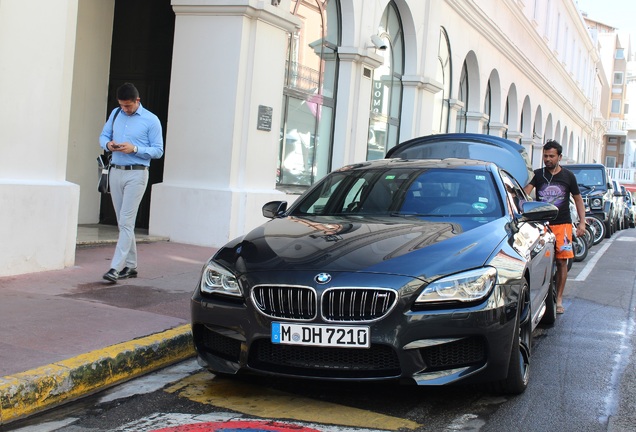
(516, 195)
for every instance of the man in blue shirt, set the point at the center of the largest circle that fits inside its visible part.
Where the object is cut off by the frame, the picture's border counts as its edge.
(134, 136)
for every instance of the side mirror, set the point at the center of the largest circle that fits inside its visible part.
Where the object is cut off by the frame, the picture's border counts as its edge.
(274, 209)
(535, 211)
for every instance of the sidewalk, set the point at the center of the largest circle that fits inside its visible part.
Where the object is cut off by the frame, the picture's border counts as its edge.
(67, 333)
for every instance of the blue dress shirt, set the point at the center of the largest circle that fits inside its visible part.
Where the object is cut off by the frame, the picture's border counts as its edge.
(142, 129)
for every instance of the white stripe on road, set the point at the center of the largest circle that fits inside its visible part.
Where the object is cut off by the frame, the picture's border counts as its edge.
(591, 263)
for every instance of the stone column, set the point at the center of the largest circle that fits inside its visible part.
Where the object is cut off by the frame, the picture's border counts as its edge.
(223, 138)
(38, 221)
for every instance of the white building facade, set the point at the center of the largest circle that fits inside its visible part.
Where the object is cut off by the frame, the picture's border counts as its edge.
(266, 97)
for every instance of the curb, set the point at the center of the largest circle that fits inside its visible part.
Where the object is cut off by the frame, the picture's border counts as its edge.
(33, 391)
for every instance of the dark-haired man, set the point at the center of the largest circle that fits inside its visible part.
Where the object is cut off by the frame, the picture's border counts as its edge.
(555, 184)
(134, 136)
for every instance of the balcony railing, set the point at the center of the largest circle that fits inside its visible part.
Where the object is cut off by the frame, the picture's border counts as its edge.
(623, 175)
(619, 125)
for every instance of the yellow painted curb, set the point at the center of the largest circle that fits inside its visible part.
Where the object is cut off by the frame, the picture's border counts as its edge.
(26, 393)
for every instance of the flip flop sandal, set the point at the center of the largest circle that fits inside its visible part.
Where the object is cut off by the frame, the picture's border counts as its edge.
(560, 309)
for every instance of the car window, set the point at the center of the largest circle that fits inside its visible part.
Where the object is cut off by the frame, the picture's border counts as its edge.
(404, 191)
(588, 176)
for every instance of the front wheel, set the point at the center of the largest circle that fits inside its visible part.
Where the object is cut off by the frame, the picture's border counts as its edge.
(519, 366)
(580, 249)
(598, 227)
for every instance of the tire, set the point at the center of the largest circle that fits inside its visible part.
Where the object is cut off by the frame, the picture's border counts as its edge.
(609, 229)
(550, 315)
(589, 236)
(598, 227)
(519, 366)
(580, 249)
(570, 261)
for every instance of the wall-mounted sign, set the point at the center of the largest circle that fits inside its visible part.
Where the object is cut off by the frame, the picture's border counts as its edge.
(264, 118)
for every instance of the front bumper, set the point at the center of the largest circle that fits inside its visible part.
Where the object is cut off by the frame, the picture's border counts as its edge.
(428, 347)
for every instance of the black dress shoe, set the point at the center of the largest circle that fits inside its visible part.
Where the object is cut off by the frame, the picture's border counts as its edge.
(111, 275)
(128, 273)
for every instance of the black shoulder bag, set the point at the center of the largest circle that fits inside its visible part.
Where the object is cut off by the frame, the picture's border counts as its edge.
(103, 165)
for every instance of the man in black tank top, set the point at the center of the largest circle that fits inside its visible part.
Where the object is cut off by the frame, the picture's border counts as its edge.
(555, 184)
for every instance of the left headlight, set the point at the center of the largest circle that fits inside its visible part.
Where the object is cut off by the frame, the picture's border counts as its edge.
(464, 287)
(219, 280)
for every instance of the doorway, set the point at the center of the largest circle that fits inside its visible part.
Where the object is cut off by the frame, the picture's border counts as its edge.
(141, 53)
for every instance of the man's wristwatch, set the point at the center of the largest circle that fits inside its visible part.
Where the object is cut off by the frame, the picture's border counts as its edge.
(134, 149)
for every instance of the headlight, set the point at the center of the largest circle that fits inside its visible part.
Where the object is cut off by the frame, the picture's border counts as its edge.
(596, 202)
(464, 287)
(216, 279)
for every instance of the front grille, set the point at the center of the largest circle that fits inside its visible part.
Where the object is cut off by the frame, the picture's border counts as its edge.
(217, 344)
(337, 304)
(288, 302)
(461, 353)
(357, 304)
(378, 361)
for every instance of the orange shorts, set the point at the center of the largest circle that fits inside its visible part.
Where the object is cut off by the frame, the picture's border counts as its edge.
(563, 233)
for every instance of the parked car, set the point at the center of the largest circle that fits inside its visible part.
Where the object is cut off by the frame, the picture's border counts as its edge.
(598, 195)
(426, 271)
(630, 208)
(621, 208)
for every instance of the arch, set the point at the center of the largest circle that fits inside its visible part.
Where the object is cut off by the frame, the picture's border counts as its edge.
(564, 142)
(474, 86)
(537, 128)
(526, 118)
(548, 130)
(444, 75)
(309, 93)
(387, 91)
(412, 55)
(511, 110)
(468, 91)
(557, 132)
(492, 105)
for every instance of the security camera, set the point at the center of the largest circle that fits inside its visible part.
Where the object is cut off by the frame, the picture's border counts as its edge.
(378, 42)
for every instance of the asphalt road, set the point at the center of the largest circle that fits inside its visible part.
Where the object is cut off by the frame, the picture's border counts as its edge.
(583, 379)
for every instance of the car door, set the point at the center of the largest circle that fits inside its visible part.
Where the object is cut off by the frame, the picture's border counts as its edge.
(534, 241)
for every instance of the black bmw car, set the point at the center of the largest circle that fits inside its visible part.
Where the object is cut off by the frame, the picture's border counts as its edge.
(426, 271)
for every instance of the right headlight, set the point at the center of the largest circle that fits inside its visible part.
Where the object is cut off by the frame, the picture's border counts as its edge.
(596, 202)
(464, 287)
(216, 279)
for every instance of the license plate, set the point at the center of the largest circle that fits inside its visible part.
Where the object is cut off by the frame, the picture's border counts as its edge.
(320, 335)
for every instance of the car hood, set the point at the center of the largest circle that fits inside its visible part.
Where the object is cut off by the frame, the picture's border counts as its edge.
(382, 245)
(592, 192)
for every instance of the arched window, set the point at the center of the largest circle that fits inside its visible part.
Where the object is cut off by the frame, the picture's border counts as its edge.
(309, 94)
(463, 96)
(440, 116)
(386, 98)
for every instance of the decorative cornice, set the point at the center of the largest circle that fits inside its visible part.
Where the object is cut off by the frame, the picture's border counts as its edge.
(257, 10)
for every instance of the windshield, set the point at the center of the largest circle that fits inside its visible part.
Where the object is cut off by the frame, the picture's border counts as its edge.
(589, 176)
(435, 192)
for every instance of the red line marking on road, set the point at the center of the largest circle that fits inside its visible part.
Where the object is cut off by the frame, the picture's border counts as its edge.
(239, 426)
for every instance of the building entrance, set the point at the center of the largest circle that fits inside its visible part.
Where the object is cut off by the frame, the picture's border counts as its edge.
(141, 53)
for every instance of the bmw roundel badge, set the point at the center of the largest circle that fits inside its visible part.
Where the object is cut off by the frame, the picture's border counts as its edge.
(323, 278)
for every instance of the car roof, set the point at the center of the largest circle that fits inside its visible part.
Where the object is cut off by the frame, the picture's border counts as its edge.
(505, 153)
(452, 163)
(586, 165)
